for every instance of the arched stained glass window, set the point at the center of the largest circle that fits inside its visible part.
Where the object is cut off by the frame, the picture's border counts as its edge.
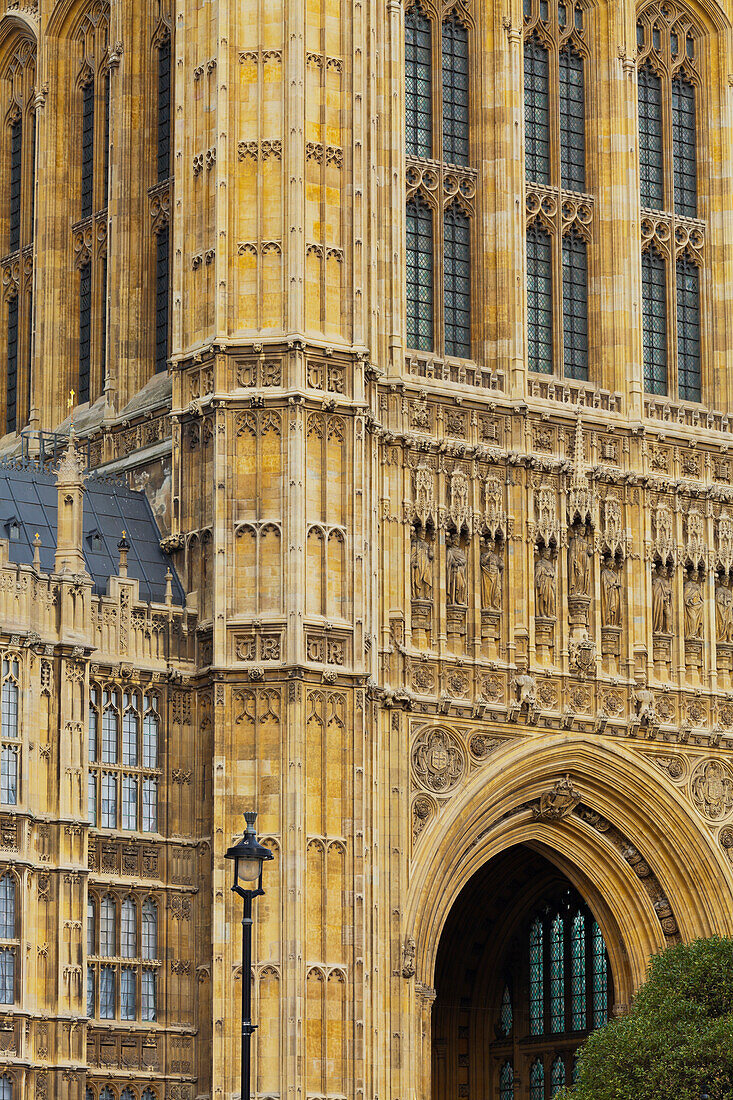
(572, 120)
(578, 973)
(536, 979)
(536, 111)
(688, 330)
(16, 181)
(575, 306)
(557, 975)
(164, 109)
(87, 147)
(684, 150)
(557, 1075)
(539, 300)
(7, 908)
(418, 84)
(651, 140)
(506, 1082)
(455, 91)
(506, 1016)
(537, 1080)
(106, 1094)
(151, 723)
(600, 978)
(9, 706)
(419, 275)
(130, 729)
(654, 321)
(457, 281)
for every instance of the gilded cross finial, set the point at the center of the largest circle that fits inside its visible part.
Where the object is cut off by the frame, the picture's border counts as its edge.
(70, 403)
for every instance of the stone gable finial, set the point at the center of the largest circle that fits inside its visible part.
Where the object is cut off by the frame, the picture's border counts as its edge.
(581, 498)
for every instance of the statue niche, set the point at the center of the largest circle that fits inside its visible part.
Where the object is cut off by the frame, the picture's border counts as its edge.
(724, 625)
(580, 555)
(491, 563)
(693, 603)
(662, 573)
(611, 613)
(457, 571)
(545, 583)
(422, 556)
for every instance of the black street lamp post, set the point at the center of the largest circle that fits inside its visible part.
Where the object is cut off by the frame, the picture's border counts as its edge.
(248, 856)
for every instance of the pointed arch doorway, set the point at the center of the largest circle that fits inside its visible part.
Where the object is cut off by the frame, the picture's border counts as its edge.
(522, 977)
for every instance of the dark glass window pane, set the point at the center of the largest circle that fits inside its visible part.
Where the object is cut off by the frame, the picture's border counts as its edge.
(419, 276)
(87, 149)
(654, 318)
(539, 300)
(575, 307)
(536, 111)
(506, 1020)
(161, 300)
(537, 1081)
(600, 978)
(107, 91)
(33, 176)
(572, 120)
(577, 972)
(506, 1082)
(455, 92)
(651, 159)
(104, 319)
(684, 151)
(688, 330)
(85, 331)
(557, 976)
(16, 163)
(164, 111)
(11, 377)
(418, 84)
(457, 282)
(536, 979)
(557, 1076)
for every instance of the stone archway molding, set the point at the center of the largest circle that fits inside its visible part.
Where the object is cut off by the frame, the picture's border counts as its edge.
(495, 812)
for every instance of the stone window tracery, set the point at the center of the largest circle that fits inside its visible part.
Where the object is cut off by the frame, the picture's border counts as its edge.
(441, 183)
(122, 959)
(124, 782)
(18, 156)
(9, 941)
(558, 210)
(673, 236)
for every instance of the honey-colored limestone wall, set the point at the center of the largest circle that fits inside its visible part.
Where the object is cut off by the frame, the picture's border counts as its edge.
(420, 591)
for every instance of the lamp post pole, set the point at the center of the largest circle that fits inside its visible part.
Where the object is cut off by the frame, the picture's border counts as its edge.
(248, 856)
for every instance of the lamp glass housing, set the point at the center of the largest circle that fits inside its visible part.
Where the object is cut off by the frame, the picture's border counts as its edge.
(248, 868)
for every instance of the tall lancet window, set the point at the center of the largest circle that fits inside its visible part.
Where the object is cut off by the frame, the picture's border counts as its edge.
(441, 182)
(18, 168)
(95, 94)
(160, 195)
(673, 232)
(559, 210)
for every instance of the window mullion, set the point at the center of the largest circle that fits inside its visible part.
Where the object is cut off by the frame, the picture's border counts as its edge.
(439, 268)
(557, 302)
(672, 364)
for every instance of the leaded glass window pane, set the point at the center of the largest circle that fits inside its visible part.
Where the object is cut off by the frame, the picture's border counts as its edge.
(557, 976)
(457, 281)
(107, 998)
(92, 798)
(651, 157)
(87, 149)
(90, 991)
(10, 700)
(575, 306)
(16, 155)
(105, 177)
(107, 927)
(7, 975)
(148, 1000)
(150, 931)
(128, 930)
(506, 1016)
(536, 111)
(418, 84)
(129, 731)
(506, 1082)
(684, 147)
(162, 308)
(150, 805)
(110, 729)
(557, 1075)
(9, 776)
(536, 979)
(129, 802)
(600, 978)
(11, 376)
(7, 908)
(577, 972)
(654, 321)
(85, 331)
(91, 927)
(688, 330)
(128, 993)
(455, 92)
(419, 262)
(106, 1094)
(93, 730)
(148, 1094)
(572, 120)
(150, 735)
(6, 1088)
(537, 1081)
(109, 801)
(539, 300)
(164, 111)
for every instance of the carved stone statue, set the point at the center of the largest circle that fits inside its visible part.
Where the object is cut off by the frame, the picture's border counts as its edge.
(422, 567)
(492, 567)
(692, 599)
(724, 609)
(544, 579)
(457, 566)
(645, 705)
(579, 559)
(661, 600)
(610, 593)
(526, 689)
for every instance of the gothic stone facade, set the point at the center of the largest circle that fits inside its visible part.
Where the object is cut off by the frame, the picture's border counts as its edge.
(439, 607)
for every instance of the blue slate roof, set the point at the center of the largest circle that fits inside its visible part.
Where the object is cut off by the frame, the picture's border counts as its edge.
(28, 504)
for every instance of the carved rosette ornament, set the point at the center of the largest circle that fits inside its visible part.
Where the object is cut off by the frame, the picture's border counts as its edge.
(711, 789)
(438, 761)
